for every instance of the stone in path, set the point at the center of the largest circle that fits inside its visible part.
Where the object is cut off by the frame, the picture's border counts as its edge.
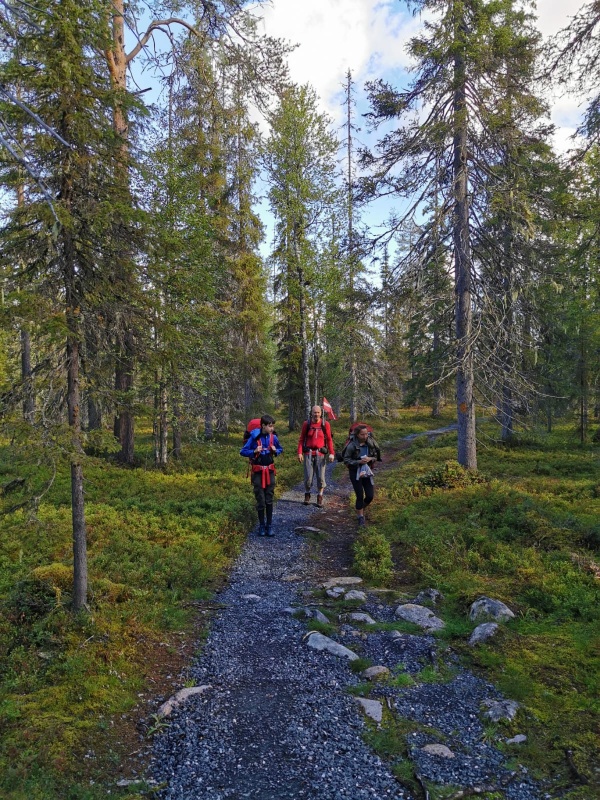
(344, 580)
(372, 708)
(319, 642)
(181, 696)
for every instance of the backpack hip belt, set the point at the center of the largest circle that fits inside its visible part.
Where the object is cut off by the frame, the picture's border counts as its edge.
(265, 477)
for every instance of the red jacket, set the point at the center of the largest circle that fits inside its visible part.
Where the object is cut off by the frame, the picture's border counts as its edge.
(315, 435)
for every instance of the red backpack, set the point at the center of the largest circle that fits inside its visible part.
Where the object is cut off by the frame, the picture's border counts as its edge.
(252, 426)
(325, 427)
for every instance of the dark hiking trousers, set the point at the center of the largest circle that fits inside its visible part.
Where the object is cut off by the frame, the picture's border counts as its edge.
(363, 489)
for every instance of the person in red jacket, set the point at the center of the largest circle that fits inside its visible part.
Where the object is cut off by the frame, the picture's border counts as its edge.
(315, 447)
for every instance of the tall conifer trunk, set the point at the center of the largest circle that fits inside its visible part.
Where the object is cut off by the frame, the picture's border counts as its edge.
(507, 345)
(351, 252)
(73, 351)
(28, 396)
(467, 449)
(303, 325)
(125, 355)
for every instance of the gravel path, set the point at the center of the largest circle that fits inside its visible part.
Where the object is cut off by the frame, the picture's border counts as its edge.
(277, 721)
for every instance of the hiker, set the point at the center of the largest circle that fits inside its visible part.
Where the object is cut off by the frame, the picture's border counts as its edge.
(261, 448)
(360, 454)
(315, 447)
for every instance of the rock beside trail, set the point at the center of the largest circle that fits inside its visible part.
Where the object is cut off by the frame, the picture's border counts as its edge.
(501, 709)
(421, 616)
(179, 698)
(520, 738)
(354, 594)
(429, 595)
(486, 608)
(483, 632)
(344, 580)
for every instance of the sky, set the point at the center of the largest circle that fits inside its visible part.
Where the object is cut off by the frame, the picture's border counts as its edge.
(369, 37)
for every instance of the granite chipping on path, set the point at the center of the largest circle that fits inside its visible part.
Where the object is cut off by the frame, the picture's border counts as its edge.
(276, 721)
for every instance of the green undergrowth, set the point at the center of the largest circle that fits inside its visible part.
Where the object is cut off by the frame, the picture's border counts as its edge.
(159, 541)
(525, 530)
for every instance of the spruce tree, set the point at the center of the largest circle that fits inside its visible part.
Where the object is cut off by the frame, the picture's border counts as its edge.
(300, 165)
(445, 147)
(61, 238)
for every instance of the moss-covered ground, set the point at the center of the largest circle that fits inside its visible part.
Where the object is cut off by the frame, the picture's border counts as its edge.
(159, 543)
(526, 531)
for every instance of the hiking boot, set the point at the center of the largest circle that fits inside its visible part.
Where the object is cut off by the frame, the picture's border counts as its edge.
(306, 498)
(261, 529)
(320, 501)
(361, 521)
(269, 531)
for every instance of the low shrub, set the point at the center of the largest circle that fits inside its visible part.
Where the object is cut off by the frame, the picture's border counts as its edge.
(450, 475)
(373, 557)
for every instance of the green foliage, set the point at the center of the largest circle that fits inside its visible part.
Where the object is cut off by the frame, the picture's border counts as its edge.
(322, 627)
(360, 664)
(373, 557)
(450, 475)
(402, 680)
(157, 540)
(529, 537)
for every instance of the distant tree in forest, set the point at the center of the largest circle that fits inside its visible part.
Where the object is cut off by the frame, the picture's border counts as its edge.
(205, 246)
(301, 168)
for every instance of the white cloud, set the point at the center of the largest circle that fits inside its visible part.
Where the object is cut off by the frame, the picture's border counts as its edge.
(366, 36)
(369, 37)
(554, 15)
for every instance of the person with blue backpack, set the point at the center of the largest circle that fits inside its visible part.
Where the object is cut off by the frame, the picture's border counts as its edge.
(262, 447)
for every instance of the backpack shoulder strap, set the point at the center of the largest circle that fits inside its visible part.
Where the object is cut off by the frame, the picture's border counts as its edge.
(306, 426)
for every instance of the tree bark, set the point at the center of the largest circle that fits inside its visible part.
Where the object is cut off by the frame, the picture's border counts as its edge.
(209, 418)
(80, 571)
(438, 396)
(117, 61)
(163, 425)
(94, 411)
(28, 396)
(124, 423)
(467, 447)
(351, 253)
(583, 403)
(176, 420)
(303, 326)
(507, 335)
